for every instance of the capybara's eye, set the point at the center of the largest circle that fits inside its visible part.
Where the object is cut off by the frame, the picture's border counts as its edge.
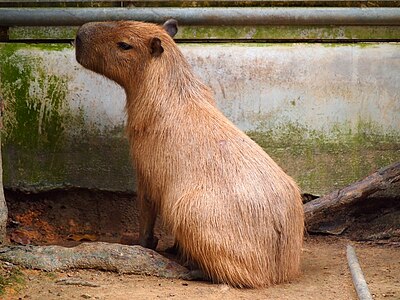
(124, 46)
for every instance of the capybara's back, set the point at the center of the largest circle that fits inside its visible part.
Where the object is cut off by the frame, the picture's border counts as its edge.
(231, 208)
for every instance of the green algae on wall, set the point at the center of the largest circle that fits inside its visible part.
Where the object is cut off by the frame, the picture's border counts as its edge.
(273, 32)
(42, 32)
(322, 162)
(35, 114)
(289, 32)
(46, 144)
(34, 101)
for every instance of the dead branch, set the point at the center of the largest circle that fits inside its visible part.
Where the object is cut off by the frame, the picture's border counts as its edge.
(76, 281)
(324, 208)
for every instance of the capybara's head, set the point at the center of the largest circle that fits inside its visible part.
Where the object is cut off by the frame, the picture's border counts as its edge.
(118, 50)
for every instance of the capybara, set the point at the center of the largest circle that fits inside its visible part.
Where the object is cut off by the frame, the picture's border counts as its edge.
(232, 210)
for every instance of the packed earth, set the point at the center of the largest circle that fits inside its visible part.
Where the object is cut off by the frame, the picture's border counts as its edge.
(325, 275)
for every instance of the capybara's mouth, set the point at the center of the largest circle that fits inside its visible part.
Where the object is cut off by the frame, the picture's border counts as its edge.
(81, 42)
(83, 52)
(77, 43)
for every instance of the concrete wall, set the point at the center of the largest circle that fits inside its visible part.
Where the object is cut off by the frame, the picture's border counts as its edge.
(329, 114)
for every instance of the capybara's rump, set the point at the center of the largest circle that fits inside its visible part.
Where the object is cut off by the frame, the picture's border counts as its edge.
(235, 242)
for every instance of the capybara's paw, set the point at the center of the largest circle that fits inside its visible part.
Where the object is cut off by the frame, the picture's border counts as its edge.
(198, 275)
(150, 243)
(174, 250)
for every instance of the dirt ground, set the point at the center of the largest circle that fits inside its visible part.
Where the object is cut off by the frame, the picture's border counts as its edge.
(324, 266)
(70, 217)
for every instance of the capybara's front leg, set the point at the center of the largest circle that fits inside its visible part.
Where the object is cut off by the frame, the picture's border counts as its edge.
(174, 249)
(147, 219)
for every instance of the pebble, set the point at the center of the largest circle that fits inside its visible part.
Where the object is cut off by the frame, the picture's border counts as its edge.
(7, 264)
(224, 288)
(86, 296)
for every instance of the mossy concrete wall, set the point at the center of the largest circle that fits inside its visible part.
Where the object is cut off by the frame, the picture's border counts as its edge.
(328, 113)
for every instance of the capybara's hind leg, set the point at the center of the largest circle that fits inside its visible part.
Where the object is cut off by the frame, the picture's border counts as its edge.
(147, 219)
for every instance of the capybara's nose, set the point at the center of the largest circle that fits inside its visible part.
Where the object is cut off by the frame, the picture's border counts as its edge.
(83, 34)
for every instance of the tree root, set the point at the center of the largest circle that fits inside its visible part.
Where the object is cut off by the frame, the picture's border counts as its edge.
(76, 281)
(99, 255)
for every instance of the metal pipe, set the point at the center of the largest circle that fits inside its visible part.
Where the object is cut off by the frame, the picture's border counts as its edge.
(183, 1)
(202, 16)
(356, 273)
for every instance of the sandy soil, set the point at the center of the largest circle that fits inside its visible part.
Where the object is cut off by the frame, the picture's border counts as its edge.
(325, 276)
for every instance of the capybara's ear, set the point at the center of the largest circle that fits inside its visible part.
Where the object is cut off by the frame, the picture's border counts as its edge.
(155, 47)
(171, 26)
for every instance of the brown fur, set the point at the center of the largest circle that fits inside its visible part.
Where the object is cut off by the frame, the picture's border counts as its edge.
(230, 207)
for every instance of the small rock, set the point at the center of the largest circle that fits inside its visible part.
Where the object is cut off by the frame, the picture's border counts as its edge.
(185, 284)
(86, 296)
(7, 264)
(20, 237)
(224, 288)
(13, 224)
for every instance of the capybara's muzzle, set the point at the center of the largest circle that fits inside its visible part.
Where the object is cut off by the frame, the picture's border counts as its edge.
(82, 40)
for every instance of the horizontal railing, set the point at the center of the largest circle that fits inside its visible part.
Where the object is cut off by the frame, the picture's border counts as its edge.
(202, 16)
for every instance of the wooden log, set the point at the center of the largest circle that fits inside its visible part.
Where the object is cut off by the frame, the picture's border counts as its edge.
(324, 208)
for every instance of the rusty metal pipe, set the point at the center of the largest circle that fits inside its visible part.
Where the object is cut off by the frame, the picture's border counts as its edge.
(202, 16)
